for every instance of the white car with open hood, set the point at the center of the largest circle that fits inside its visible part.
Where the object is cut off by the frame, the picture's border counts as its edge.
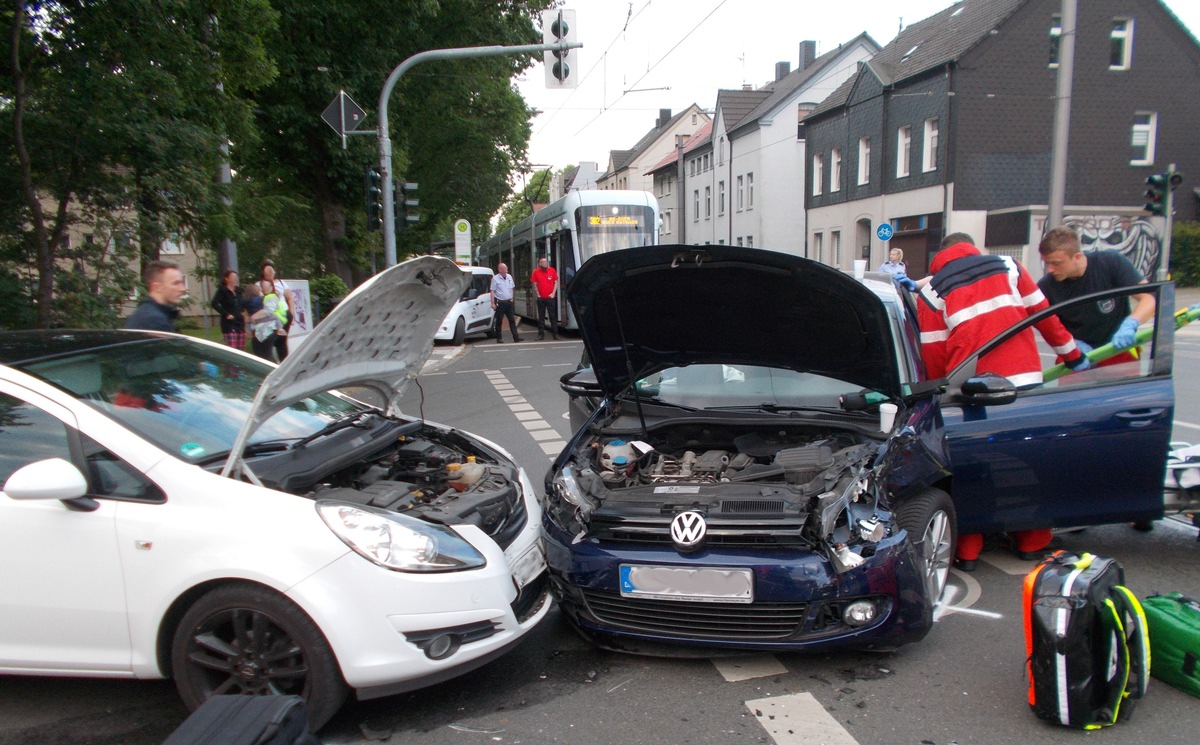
(175, 508)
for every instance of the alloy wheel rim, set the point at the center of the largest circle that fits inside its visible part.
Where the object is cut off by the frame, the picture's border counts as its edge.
(245, 651)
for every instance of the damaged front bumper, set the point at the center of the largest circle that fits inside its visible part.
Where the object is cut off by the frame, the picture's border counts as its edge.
(798, 599)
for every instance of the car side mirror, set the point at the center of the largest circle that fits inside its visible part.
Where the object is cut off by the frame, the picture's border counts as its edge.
(581, 382)
(53, 478)
(988, 389)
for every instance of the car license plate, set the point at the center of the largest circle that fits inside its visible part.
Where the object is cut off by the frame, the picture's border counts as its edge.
(528, 565)
(696, 585)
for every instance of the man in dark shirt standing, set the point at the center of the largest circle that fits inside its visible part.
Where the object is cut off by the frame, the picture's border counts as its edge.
(1072, 273)
(165, 287)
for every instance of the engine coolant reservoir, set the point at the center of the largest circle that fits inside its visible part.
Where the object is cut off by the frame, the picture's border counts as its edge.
(462, 475)
(617, 455)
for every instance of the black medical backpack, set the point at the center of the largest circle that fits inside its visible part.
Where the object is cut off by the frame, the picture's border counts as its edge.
(1086, 641)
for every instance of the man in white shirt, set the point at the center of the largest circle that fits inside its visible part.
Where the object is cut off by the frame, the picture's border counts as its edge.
(503, 288)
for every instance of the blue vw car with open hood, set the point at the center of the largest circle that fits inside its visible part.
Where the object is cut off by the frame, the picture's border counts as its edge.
(760, 462)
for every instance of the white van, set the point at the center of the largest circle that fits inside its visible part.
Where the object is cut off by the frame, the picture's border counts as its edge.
(472, 314)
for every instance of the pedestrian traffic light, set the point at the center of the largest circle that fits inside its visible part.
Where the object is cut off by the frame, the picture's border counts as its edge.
(406, 203)
(374, 187)
(558, 27)
(1156, 194)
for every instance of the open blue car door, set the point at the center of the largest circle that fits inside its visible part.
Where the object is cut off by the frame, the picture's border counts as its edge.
(1086, 448)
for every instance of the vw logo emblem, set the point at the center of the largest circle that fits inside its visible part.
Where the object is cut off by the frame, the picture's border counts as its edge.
(688, 530)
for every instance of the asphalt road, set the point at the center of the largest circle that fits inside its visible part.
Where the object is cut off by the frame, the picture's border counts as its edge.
(963, 684)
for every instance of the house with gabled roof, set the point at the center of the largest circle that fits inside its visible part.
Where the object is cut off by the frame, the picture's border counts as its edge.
(629, 169)
(740, 183)
(950, 128)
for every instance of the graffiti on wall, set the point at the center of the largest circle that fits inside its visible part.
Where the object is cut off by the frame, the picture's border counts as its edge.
(1136, 237)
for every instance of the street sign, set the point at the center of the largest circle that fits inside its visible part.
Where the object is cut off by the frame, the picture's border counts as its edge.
(343, 115)
(462, 240)
(884, 231)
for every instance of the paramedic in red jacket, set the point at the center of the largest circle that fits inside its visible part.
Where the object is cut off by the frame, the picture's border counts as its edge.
(971, 299)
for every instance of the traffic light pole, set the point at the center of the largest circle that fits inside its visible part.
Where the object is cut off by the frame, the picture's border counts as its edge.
(385, 142)
(1164, 261)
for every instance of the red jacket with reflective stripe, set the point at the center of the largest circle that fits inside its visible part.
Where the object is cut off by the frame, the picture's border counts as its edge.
(971, 299)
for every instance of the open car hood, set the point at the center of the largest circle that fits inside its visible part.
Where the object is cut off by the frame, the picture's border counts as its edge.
(378, 338)
(641, 310)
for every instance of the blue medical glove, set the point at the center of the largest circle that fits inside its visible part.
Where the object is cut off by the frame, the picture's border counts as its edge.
(1081, 364)
(1126, 335)
(902, 279)
(1083, 346)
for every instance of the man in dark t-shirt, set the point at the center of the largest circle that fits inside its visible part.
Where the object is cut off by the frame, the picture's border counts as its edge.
(1072, 273)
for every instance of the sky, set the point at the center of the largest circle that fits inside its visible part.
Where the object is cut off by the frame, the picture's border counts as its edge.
(645, 55)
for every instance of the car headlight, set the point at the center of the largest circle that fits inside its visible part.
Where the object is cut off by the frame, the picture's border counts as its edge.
(398, 542)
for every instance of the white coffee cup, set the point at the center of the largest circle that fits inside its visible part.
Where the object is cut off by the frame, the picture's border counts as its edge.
(887, 417)
(860, 268)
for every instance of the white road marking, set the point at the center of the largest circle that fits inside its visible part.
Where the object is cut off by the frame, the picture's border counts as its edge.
(798, 719)
(539, 429)
(735, 669)
(1186, 424)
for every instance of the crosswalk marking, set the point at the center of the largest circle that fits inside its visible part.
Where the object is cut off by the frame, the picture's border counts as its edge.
(539, 429)
(798, 719)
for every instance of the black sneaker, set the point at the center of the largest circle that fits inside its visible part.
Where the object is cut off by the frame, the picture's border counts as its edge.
(517, 338)
(499, 340)
(966, 565)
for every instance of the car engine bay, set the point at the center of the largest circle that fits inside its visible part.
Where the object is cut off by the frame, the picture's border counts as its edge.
(800, 486)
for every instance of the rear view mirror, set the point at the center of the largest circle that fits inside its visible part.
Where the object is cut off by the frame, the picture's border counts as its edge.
(988, 389)
(581, 382)
(53, 478)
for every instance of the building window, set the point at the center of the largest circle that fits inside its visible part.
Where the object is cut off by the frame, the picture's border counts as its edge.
(707, 202)
(1055, 36)
(721, 150)
(818, 174)
(1145, 132)
(720, 197)
(692, 167)
(835, 169)
(818, 246)
(739, 239)
(707, 162)
(749, 191)
(835, 247)
(929, 157)
(696, 206)
(741, 194)
(864, 160)
(171, 247)
(667, 223)
(749, 241)
(1120, 56)
(903, 148)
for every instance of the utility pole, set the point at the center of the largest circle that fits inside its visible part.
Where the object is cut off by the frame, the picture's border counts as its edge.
(1062, 115)
(385, 142)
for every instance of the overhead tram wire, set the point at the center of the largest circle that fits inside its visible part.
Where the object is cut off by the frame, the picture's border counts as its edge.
(656, 64)
(628, 20)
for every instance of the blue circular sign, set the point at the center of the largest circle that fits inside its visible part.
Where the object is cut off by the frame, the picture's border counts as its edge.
(884, 232)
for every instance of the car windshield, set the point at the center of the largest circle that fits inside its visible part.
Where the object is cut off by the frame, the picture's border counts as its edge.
(190, 399)
(711, 386)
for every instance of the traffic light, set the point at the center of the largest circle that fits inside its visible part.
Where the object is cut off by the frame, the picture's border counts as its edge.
(1156, 194)
(374, 187)
(558, 27)
(404, 203)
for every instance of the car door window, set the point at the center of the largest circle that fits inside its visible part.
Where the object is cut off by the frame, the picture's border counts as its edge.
(27, 435)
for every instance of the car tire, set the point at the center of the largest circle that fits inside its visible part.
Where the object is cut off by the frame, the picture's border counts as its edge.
(932, 527)
(241, 639)
(460, 331)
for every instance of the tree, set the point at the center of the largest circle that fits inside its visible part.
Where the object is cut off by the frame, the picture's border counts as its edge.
(115, 118)
(535, 191)
(458, 127)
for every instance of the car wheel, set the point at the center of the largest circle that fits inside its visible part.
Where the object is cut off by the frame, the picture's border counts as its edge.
(932, 527)
(250, 640)
(460, 331)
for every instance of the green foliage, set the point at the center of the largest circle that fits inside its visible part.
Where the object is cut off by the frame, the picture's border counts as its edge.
(326, 290)
(1185, 254)
(458, 127)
